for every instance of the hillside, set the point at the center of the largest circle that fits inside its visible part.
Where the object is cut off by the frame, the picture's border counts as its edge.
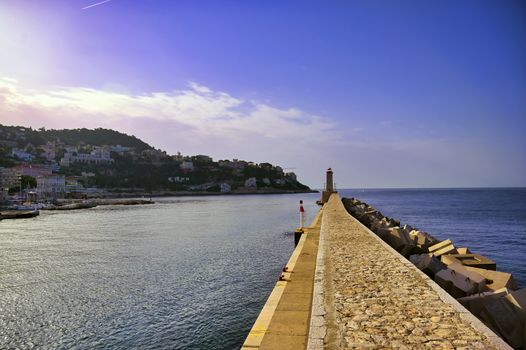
(97, 136)
(110, 160)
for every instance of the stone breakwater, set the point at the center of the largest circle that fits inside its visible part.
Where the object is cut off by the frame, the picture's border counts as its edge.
(375, 299)
(471, 278)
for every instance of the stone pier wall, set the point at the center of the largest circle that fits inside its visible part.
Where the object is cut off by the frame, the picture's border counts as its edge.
(373, 298)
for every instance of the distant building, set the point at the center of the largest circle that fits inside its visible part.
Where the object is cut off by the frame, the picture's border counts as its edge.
(4, 196)
(179, 179)
(9, 178)
(251, 182)
(72, 185)
(200, 158)
(120, 150)
(224, 187)
(51, 186)
(187, 166)
(234, 164)
(21, 154)
(48, 152)
(99, 155)
(33, 170)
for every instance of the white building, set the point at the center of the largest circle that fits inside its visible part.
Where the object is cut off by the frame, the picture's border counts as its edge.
(99, 155)
(73, 185)
(120, 150)
(9, 177)
(179, 179)
(225, 187)
(21, 154)
(251, 182)
(51, 186)
(187, 165)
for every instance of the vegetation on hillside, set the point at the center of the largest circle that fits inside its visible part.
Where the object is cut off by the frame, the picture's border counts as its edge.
(136, 165)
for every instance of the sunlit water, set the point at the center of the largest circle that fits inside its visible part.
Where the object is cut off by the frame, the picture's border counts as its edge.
(188, 273)
(193, 273)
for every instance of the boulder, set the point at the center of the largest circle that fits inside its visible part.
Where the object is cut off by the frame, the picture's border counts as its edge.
(397, 238)
(459, 281)
(427, 263)
(473, 260)
(495, 280)
(463, 251)
(421, 238)
(475, 303)
(506, 315)
(441, 248)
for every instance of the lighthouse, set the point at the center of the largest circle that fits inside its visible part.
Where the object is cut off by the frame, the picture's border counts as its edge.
(329, 187)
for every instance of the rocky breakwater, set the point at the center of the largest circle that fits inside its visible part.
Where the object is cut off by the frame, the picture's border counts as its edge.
(68, 204)
(18, 214)
(470, 278)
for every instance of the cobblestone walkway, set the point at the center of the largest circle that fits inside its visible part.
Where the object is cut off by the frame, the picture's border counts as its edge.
(381, 302)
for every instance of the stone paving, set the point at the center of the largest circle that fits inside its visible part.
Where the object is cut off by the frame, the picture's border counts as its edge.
(378, 301)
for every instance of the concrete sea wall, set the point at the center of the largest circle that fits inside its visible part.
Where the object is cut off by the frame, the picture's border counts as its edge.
(375, 298)
(345, 288)
(470, 278)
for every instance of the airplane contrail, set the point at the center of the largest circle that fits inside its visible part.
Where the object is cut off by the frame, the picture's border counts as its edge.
(96, 4)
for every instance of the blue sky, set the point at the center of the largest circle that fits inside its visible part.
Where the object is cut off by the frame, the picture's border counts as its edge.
(388, 93)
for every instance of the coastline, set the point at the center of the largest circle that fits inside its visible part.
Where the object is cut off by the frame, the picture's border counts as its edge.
(196, 193)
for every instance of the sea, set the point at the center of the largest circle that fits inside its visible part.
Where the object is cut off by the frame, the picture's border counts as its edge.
(194, 272)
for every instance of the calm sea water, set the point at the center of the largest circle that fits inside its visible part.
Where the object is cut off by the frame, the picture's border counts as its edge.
(193, 273)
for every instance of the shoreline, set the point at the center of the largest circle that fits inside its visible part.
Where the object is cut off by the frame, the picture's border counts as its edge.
(190, 193)
(125, 198)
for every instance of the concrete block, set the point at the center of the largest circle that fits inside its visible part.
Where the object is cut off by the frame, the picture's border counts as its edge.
(421, 238)
(441, 248)
(518, 298)
(473, 260)
(475, 303)
(383, 232)
(397, 238)
(459, 282)
(440, 245)
(393, 222)
(450, 249)
(463, 251)
(408, 228)
(378, 224)
(427, 263)
(495, 280)
(408, 250)
(507, 318)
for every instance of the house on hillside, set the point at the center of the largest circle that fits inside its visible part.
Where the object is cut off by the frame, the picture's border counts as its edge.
(225, 188)
(187, 166)
(21, 154)
(251, 182)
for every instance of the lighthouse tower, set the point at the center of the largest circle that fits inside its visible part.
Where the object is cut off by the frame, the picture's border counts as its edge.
(329, 187)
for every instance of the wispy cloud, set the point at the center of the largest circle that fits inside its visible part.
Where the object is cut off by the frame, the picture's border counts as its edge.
(96, 4)
(197, 107)
(198, 119)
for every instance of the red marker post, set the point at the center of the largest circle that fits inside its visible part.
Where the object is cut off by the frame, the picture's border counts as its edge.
(302, 215)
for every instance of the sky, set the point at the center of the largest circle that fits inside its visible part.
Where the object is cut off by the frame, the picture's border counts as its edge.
(388, 93)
